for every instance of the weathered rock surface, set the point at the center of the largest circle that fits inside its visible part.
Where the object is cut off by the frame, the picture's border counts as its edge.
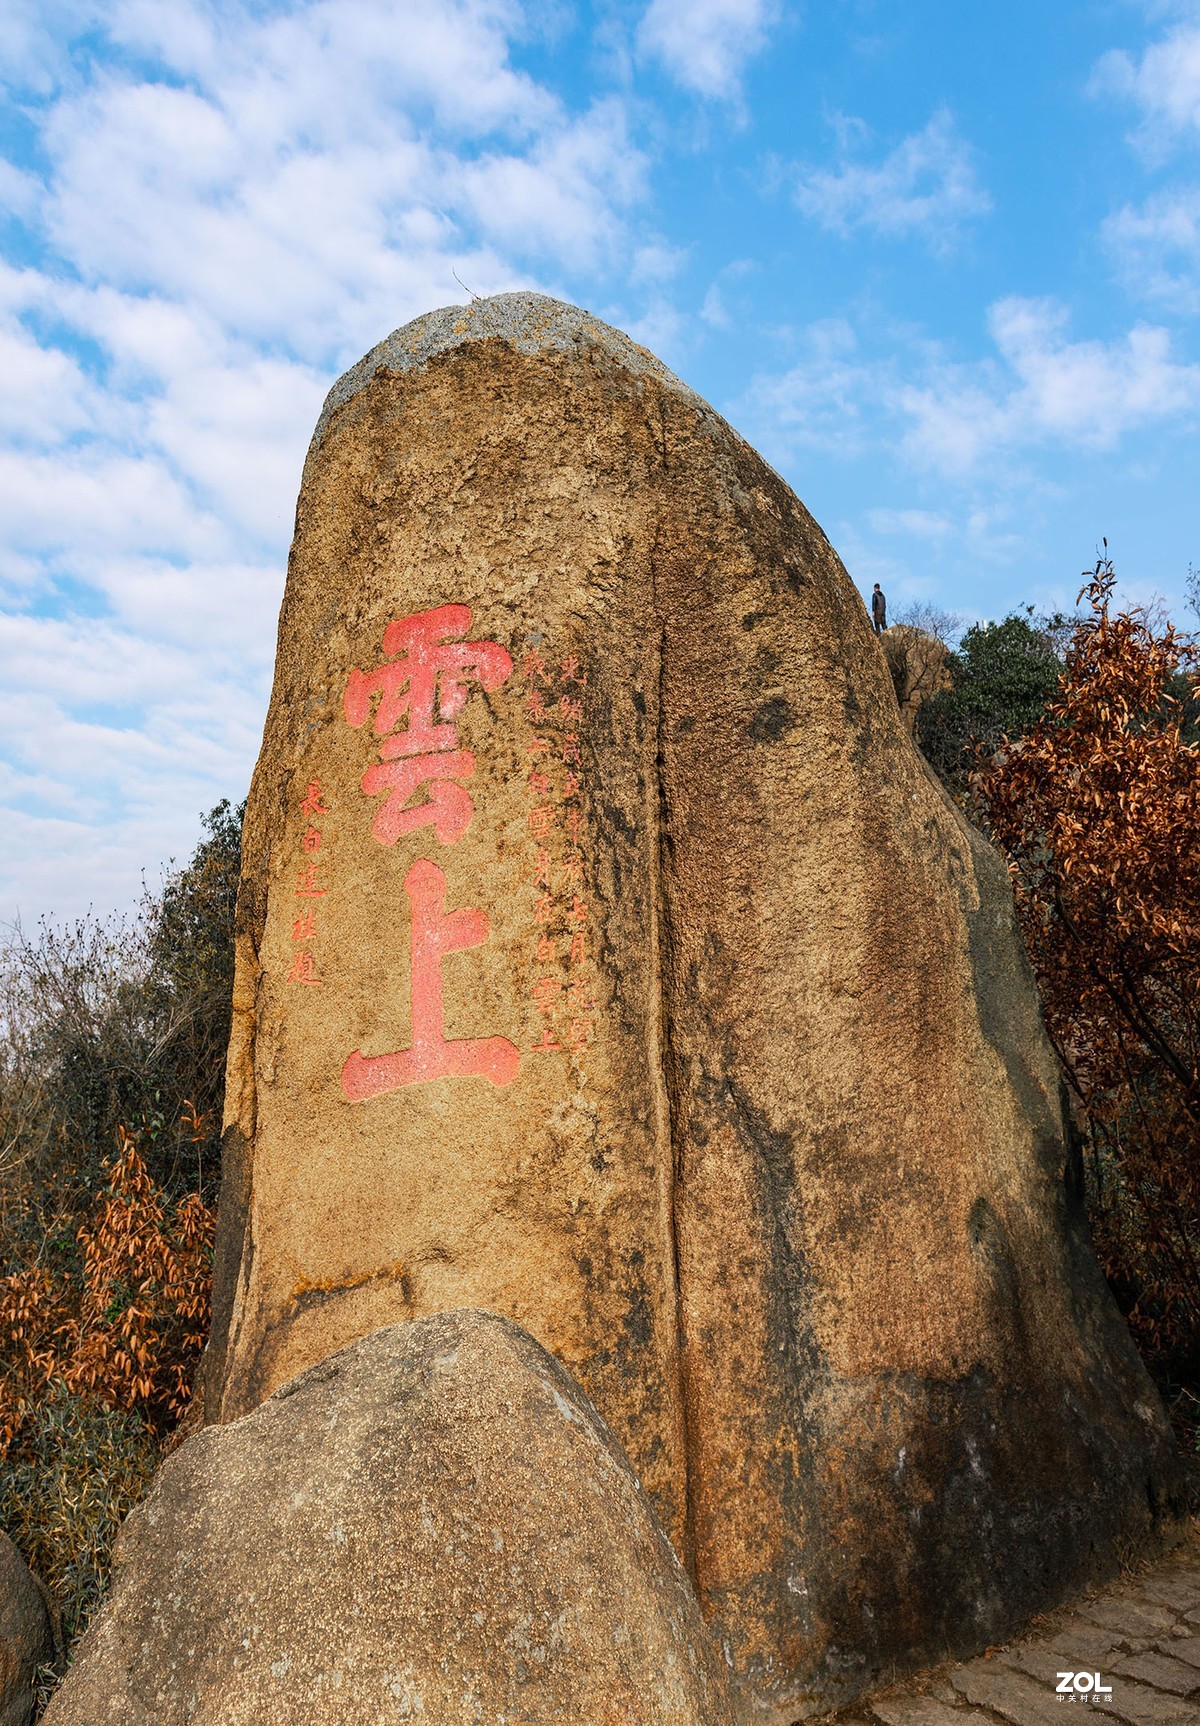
(920, 668)
(609, 959)
(26, 1636)
(435, 1525)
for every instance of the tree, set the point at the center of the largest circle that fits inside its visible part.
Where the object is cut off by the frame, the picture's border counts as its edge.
(1003, 675)
(111, 1023)
(1097, 808)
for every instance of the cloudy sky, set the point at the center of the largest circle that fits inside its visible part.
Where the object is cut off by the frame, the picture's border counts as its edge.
(941, 263)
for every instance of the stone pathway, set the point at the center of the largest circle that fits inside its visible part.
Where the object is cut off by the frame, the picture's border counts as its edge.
(1140, 1637)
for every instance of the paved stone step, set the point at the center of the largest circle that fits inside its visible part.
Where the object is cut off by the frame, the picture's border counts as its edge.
(1135, 1648)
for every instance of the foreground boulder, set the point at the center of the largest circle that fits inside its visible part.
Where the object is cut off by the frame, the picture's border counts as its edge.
(432, 1525)
(26, 1636)
(608, 958)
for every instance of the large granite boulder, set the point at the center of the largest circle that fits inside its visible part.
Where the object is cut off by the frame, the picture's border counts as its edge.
(435, 1525)
(26, 1636)
(608, 958)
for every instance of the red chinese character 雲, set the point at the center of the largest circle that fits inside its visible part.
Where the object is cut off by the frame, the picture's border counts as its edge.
(545, 992)
(542, 819)
(424, 682)
(435, 932)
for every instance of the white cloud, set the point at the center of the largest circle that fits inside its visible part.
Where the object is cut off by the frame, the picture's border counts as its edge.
(231, 204)
(1047, 389)
(1037, 389)
(706, 45)
(823, 401)
(1157, 248)
(927, 185)
(1164, 83)
(914, 523)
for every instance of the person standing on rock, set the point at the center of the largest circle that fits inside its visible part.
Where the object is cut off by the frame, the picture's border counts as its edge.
(879, 609)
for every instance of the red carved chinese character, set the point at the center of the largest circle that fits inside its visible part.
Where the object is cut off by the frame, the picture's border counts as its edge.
(305, 926)
(572, 867)
(581, 1002)
(448, 809)
(570, 748)
(571, 711)
(570, 670)
(545, 992)
(577, 954)
(578, 910)
(545, 949)
(426, 682)
(312, 838)
(544, 1042)
(533, 665)
(302, 971)
(580, 1032)
(306, 885)
(544, 909)
(536, 707)
(539, 783)
(573, 824)
(311, 803)
(571, 784)
(435, 932)
(542, 819)
(538, 746)
(541, 874)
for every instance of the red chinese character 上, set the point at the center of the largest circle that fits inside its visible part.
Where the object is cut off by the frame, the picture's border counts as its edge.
(432, 1055)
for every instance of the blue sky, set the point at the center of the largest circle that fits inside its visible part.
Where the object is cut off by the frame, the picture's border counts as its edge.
(941, 263)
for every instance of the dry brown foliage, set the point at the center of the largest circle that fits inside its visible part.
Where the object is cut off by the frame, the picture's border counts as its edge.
(1098, 811)
(129, 1330)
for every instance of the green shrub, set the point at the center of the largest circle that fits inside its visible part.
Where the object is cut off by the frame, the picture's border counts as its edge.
(64, 1493)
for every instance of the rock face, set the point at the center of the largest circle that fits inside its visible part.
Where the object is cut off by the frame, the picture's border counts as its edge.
(920, 668)
(608, 958)
(434, 1525)
(26, 1637)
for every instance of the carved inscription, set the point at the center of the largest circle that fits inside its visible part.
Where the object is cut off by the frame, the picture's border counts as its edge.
(419, 691)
